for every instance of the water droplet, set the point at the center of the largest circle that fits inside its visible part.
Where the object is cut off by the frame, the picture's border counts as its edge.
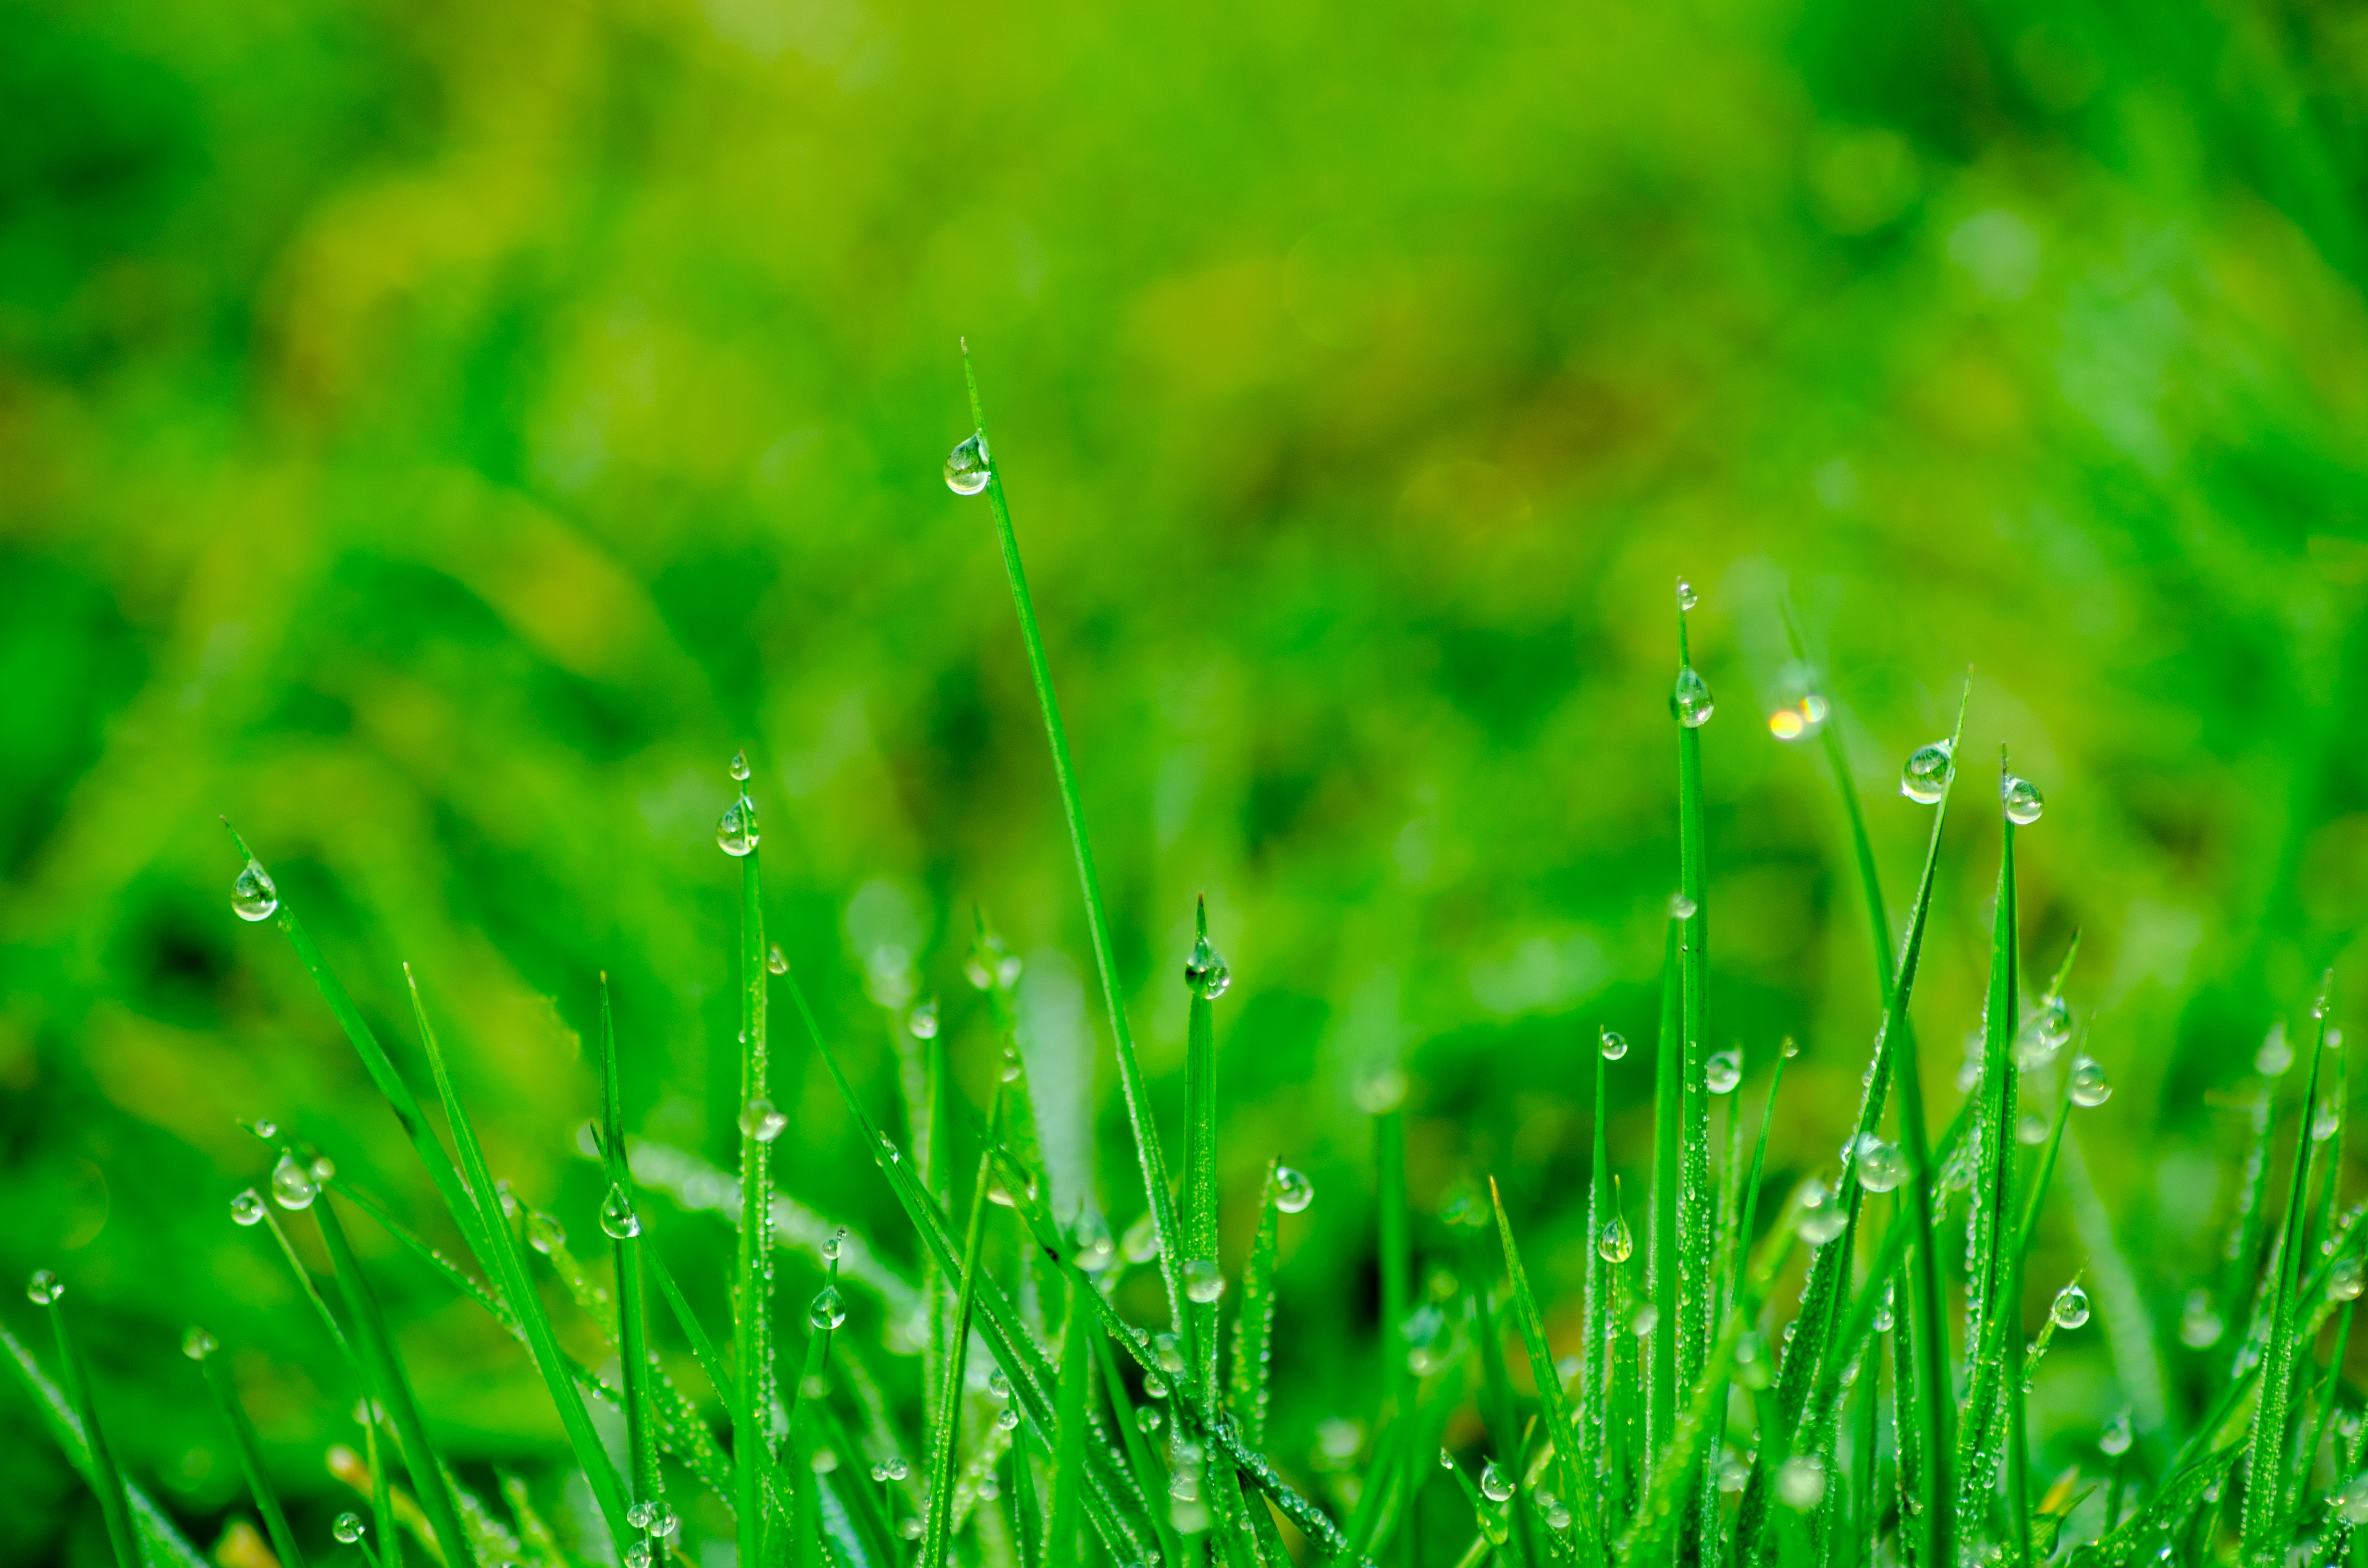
(293, 1186)
(1687, 598)
(44, 1288)
(639, 1515)
(2199, 1325)
(1681, 907)
(827, 1309)
(911, 1529)
(737, 832)
(1614, 1044)
(1168, 1351)
(639, 1555)
(1012, 1066)
(197, 1345)
(1689, 699)
(1801, 1481)
(247, 1207)
(2324, 1121)
(2030, 1129)
(1722, 1072)
(545, 1233)
(740, 764)
(1446, 1459)
(2071, 1308)
(1205, 974)
(324, 1170)
(969, 466)
(833, 1245)
(1926, 777)
(1150, 1417)
(2275, 1056)
(266, 1129)
(1007, 1418)
(2088, 1085)
(1884, 1318)
(1822, 1217)
(762, 1121)
(1614, 1244)
(923, 1020)
(255, 896)
(1142, 1241)
(1153, 1386)
(2020, 797)
(1203, 1281)
(896, 1468)
(1734, 1475)
(2114, 1440)
(616, 1216)
(1293, 1191)
(1881, 1165)
(2354, 1506)
(1647, 1319)
(776, 960)
(347, 1527)
(2346, 1279)
(1558, 1516)
(1380, 1088)
(1494, 1484)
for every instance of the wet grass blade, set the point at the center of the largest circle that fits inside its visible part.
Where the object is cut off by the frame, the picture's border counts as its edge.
(752, 1296)
(105, 1477)
(1869, 879)
(938, 1540)
(1254, 1324)
(1595, 1369)
(250, 1458)
(1663, 1268)
(1201, 1146)
(382, 1512)
(1571, 1472)
(633, 1320)
(390, 1386)
(1497, 1407)
(1396, 1259)
(509, 1266)
(1148, 1477)
(1695, 1322)
(1072, 1396)
(702, 1349)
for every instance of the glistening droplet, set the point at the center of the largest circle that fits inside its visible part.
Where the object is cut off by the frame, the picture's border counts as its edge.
(1494, 1484)
(347, 1527)
(1293, 1191)
(247, 1207)
(923, 1020)
(1722, 1072)
(1681, 907)
(1881, 1165)
(1926, 777)
(197, 1345)
(1822, 1216)
(2071, 1307)
(1203, 1281)
(616, 1216)
(255, 896)
(2114, 1440)
(544, 1233)
(740, 764)
(735, 832)
(2088, 1085)
(1614, 1044)
(1690, 704)
(293, 1186)
(776, 960)
(2020, 797)
(2346, 1279)
(1801, 1481)
(1205, 974)
(1614, 1244)
(44, 1287)
(827, 1309)
(761, 1120)
(1687, 598)
(969, 466)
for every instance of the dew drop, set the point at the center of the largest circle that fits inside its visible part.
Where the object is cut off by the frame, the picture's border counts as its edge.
(266, 1129)
(2199, 1325)
(1801, 1481)
(324, 1170)
(1168, 1351)
(1722, 1072)
(740, 764)
(2030, 1129)
(1823, 1216)
(1012, 1065)
(1446, 1459)
(1614, 1044)
(1096, 1252)
(1689, 699)
(247, 1207)
(1614, 1244)
(1007, 1418)
(911, 1529)
(737, 832)
(2275, 1056)
(762, 1121)
(1142, 1241)
(44, 1287)
(2071, 1308)
(545, 1233)
(616, 1216)
(1205, 974)
(1681, 907)
(347, 1528)
(1881, 1165)
(1153, 1386)
(639, 1555)
(923, 1020)
(2088, 1085)
(1150, 1417)
(2346, 1279)
(293, 1186)
(969, 466)
(1687, 598)
(1380, 1088)
(1926, 777)
(2022, 800)
(776, 960)
(2114, 1440)
(197, 1345)
(2323, 1123)
(1293, 1191)
(1494, 1484)
(639, 1515)
(1203, 1281)
(827, 1309)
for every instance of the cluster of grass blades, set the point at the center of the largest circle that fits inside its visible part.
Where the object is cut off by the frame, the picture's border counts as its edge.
(1687, 1421)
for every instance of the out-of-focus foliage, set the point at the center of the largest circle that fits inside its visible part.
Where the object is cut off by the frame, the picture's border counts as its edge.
(437, 436)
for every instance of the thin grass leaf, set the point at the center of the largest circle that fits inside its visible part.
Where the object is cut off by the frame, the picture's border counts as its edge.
(1404, 1475)
(1596, 1361)
(105, 1477)
(534, 1530)
(509, 1266)
(1838, 761)
(1253, 1323)
(389, 1385)
(383, 1516)
(938, 1540)
(752, 1296)
(1662, 1266)
(216, 1369)
(1570, 1469)
(1200, 1143)
(1695, 1320)
(1149, 1478)
(702, 1349)
(1073, 1397)
(633, 1359)
(1497, 1408)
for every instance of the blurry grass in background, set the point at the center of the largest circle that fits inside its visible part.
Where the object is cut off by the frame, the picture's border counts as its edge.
(438, 439)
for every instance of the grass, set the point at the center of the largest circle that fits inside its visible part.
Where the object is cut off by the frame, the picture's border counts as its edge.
(1688, 1423)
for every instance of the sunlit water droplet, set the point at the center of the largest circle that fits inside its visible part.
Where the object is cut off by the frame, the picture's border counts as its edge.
(1881, 1165)
(762, 1121)
(1012, 1066)
(1205, 974)
(1690, 704)
(1168, 1351)
(969, 466)
(1142, 1241)
(740, 764)
(1203, 1281)
(1722, 1072)
(545, 1233)
(827, 1309)
(197, 1345)
(255, 896)
(2114, 1440)
(639, 1555)
(2088, 1084)
(1799, 719)
(2323, 1123)
(247, 1207)
(1822, 1216)
(1615, 1242)
(347, 1528)
(293, 1186)
(737, 831)
(2071, 1308)
(1494, 1484)
(776, 960)
(1926, 777)
(1096, 1251)
(616, 1216)
(1007, 1418)
(266, 1129)
(1153, 1386)
(324, 1170)
(2022, 800)
(1687, 598)
(1150, 1418)
(1801, 1481)
(922, 1021)
(1613, 1043)
(2030, 1129)
(1293, 1191)
(44, 1287)
(2346, 1279)
(1681, 907)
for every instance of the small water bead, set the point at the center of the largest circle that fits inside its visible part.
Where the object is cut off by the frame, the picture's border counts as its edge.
(893, 1467)
(2114, 1440)
(616, 1216)
(1734, 1475)
(1168, 1351)
(266, 1129)
(1205, 974)
(2323, 1123)
(1557, 1515)
(1884, 1318)
(2350, 1501)
(1881, 1165)
(1494, 1484)
(639, 1555)
(197, 1345)
(2199, 1325)
(735, 832)
(1647, 1319)
(911, 1529)
(1012, 1065)
(255, 896)
(1690, 704)
(1293, 1191)
(2275, 1055)
(762, 1121)
(1822, 1215)
(1153, 1386)
(923, 1020)
(2347, 1278)
(969, 466)
(739, 766)
(1142, 1241)
(1681, 907)
(1096, 1252)
(1687, 598)
(776, 960)
(44, 1287)
(2071, 1307)
(1616, 1243)
(545, 1233)
(324, 1170)
(2088, 1085)
(1613, 1043)
(2030, 1129)
(247, 1207)
(1150, 1418)
(293, 1186)
(1801, 1481)
(347, 1527)
(2022, 800)
(1380, 1088)
(833, 1245)
(828, 1311)
(1722, 1072)
(1007, 1418)
(1926, 777)
(1446, 1459)
(639, 1515)
(1203, 1281)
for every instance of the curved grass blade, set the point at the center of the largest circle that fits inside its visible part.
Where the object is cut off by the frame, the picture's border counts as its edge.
(939, 1537)
(1571, 1472)
(163, 1539)
(1140, 1462)
(105, 1477)
(382, 1492)
(250, 1459)
(1254, 1324)
(1838, 760)
(1072, 1396)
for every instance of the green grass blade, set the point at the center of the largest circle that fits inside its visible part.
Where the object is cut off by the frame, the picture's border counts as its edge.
(383, 1514)
(1870, 880)
(1497, 1395)
(1166, 1224)
(1253, 1323)
(509, 1266)
(1595, 1369)
(1662, 1264)
(1694, 1321)
(1073, 1397)
(1577, 1487)
(390, 1386)
(105, 1477)
(1144, 1469)
(1200, 1148)
(2261, 1531)
(938, 1540)
(2329, 1380)
(1397, 1260)
(311, 1288)
(751, 1297)
(166, 1546)
(250, 1458)
(702, 1349)
(633, 1360)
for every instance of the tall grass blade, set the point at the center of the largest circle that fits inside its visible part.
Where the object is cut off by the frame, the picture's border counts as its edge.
(1596, 1305)
(509, 1266)
(250, 1458)
(1405, 1474)
(1663, 1265)
(1254, 1322)
(1200, 1147)
(1497, 1407)
(382, 1512)
(633, 1324)
(945, 1430)
(1141, 1464)
(390, 1386)
(752, 1296)
(1072, 1398)
(105, 1475)
(1695, 1322)
(1577, 1487)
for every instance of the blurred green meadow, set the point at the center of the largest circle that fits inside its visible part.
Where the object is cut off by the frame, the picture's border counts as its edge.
(435, 437)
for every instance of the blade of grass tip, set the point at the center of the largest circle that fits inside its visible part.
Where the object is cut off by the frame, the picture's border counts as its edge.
(312, 1289)
(616, 1214)
(1166, 1224)
(1838, 760)
(390, 1387)
(633, 1324)
(1254, 1324)
(201, 1347)
(105, 1477)
(1497, 1389)
(2242, 1262)
(1695, 1199)
(1576, 1485)
(1201, 1136)
(751, 1297)
(166, 1546)
(1072, 1398)
(938, 1538)
(2263, 1527)
(1596, 1303)
(1397, 1270)
(793, 1479)
(375, 1061)
(1661, 1267)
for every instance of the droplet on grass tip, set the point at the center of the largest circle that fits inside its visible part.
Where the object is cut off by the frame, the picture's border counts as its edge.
(293, 1186)
(347, 1527)
(1203, 1281)
(1293, 1191)
(833, 1244)
(1722, 1072)
(616, 1216)
(1926, 777)
(197, 1345)
(2088, 1085)
(544, 1233)
(2022, 800)
(1801, 1481)
(1690, 704)
(266, 1129)
(1687, 598)
(969, 466)
(1446, 1459)
(254, 896)
(762, 1121)
(247, 1207)
(735, 832)
(1494, 1484)
(1613, 1043)
(1615, 1242)
(740, 764)
(2114, 1440)
(1205, 974)
(827, 1309)
(44, 1287)
(2071, 1307)
(1012, 1065)
(776, 960)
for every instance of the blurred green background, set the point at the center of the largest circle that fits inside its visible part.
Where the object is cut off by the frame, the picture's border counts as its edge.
(436, 436)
